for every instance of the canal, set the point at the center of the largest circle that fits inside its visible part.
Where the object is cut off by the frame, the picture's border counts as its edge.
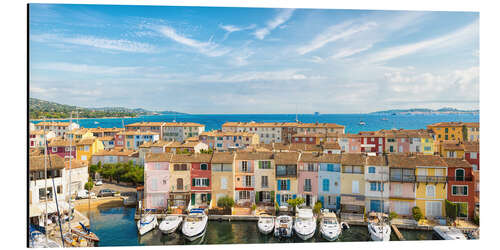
(115, 226)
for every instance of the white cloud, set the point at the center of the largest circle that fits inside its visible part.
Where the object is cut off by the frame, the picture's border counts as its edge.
(466, 33)
(84, 68)
(96, 42)
(280, 19)
(207, 48)
(231, 28)
(340, 31)
(347, 52)
(283, 75)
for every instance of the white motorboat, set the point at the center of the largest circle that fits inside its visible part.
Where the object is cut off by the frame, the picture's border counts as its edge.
(39, 240)
(448, 233)
(195, 224)
(283, 226)
(329, 226)
(378, 227)
(170, 224)
(147, 223)
(305, 223)
(265, 223)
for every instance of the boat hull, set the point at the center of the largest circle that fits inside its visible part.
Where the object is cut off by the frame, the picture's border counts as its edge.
(144, 228)
(304, 236)
(377, 235)
(266, 230)
(330, 235)
(193, 237)
(170, 227)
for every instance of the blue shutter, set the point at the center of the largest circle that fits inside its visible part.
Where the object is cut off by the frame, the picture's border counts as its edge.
(278, 185)
(294, 196)
(278, 198)
(322, 199)
(338, 202)
(287, 184)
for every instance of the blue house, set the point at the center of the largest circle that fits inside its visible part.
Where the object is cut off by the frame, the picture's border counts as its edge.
(329, 181)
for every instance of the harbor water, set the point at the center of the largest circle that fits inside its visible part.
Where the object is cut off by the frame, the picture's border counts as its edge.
(115, 226)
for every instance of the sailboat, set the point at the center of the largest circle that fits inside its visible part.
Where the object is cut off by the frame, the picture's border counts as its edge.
(147, 222)
(378, 226)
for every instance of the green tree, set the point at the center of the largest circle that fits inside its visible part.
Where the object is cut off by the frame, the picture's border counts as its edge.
(417, 213)
(225, 202)
(451, 210)
(295, 202)
(317, 207)
(89, 185)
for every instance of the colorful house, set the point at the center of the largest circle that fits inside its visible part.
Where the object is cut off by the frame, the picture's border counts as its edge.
(244, 179)
(264, 176)
(402, 183)
(472, 129)
(372, 142)
(85, 148)
(62, 148)
(461, 186)
(38, 137)
(224, 141)
(331, 148)
(133, 139)
(471, 153)
(115, 155)
(352, 179)
(103, 132)
(377, 187)
(180, 180)
(78, 134)
(222, 175)
(286, 176)
(452, 149)
(308, 138)
(201, 175)
(351, 143)
(308, 173)
(427, 143)
(157, 180)
(445, 131)
(329, 181)
(59, 128)
(431, 172)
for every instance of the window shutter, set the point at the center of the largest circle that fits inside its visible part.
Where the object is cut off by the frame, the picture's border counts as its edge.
(287, 184)
(193, 197)
(278, 198)
(257, 197)
(278, 184)
(236, 195)
(209, 197)
(454, 190)
(193, 182)
(208, 183)
(294, 196)
(260, 164)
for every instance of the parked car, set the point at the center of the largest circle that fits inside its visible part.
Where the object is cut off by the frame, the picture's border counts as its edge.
(82, 194)
(106, 192)
(98, 182)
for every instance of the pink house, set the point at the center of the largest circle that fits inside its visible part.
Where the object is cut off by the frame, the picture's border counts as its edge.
(354, 145)
(308, 167)
(62, 148)
(403, 145)
(156, 180)
(244, 179)
(402, 183)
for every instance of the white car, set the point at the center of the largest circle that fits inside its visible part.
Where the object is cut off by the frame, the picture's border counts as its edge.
(82, 194)
(98, 183)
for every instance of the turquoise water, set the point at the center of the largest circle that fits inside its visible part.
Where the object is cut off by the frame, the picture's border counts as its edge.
(350, 121)
(116, 227)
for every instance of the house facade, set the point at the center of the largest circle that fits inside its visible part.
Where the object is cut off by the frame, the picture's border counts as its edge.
(157, 181)
(244, 179)
(431, 185)
(59, 128)
(55, 171)
(201, 180)
(38, 137)
(461, 187)
(402, 191)
(113, 156)
(225, 141)
(180, 180)
(472, 129)
(352, 180)
(85, 148)
(372, 142)
(377, 187)
(286, 176)
(222, 175)
(76, 175)
(265, 182)
(63, 148)
(308, 176)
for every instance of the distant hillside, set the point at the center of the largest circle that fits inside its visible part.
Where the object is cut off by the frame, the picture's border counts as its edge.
(51, 110)
(445, 110)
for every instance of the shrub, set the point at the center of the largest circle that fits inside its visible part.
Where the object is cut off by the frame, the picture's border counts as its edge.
(451, 210)
(476, 219)
(417, 213)
(393, 215)
(276, 207)
(225, 202)
(89, 185)
(317, 207)
(254, 207)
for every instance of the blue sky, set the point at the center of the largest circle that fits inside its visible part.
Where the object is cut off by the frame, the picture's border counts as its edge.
(253, 60)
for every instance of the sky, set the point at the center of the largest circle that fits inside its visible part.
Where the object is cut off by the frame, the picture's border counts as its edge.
(215, 60)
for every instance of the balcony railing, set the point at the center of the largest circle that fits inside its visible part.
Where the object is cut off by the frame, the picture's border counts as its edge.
(463, 178)
(307, 188)
(403, 178)
(431, 179)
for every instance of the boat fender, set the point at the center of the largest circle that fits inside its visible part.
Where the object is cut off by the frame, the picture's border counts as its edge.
(345, 226)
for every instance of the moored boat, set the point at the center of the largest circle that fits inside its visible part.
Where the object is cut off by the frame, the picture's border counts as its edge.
(170, 224)
(283, 226)
(84, 232)
(448, 233)
(305, 223)
(329, 226)
(147, 223)
(195, 224)
(378, 226)
(265, 223)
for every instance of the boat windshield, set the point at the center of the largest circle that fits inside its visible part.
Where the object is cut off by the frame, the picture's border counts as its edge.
(330, 222)
(266, 220)
(171, 218)
(193, 219)
(284, 220)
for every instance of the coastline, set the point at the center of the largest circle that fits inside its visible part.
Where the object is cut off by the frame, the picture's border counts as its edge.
(62, 119)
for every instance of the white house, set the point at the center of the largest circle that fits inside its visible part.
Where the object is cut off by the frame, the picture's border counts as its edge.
(37, 137)
(59, 128)
(377, 184)
(79, 175)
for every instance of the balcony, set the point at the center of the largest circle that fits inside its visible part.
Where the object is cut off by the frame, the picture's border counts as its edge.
(431, 179)
(307, 188)
(463, 178)
(403, 178)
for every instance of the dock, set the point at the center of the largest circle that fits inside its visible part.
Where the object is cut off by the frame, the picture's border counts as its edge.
(396, 231)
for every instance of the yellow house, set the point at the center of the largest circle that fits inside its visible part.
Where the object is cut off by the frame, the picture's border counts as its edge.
(85, 148)
(352, 179)
(445, 131)
(431, 189)
(180, 179)
(222, 175)
(427, 144)
(286, 176)
(472, 129)
(79, 133)
(452, 149)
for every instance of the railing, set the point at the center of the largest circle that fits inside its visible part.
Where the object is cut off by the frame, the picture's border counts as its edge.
(403, 178)
(431, 179)
(463, 178)
(307, 188)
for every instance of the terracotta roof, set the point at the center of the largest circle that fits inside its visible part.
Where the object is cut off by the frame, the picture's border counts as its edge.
(430, 160)
(114, 152)
(286, 158)
(37, 163)
(457, 163)
(222, 157)
(173, 144)
(39, 132)
(52, 124)
(304, 147)
(58, 142)
(472, 124)
(165, 124)
(76, 164)
(191, 157)
(158, 157)
(86, 141)
(331, 145)
(446, 124)
(379, 160)
(78, 131)
(330, 158)
(452, 145)
(228, 133)
(106, 138)
(100, 130)
(319, 125)
(255, 148)
(161, 143)
(353, 159)
(308, 135)
(138, 133)
(146, 144)
(191, 144)
(281, 124)
(254, 155)
(193, 139)
(401, 161)
(310, 157)
(471, 146)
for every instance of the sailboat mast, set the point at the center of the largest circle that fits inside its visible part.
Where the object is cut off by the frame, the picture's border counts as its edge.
(45, 177)
(70, 160)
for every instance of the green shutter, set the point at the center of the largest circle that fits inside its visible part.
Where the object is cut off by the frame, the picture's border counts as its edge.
(272, 196)
(193, 182)
(193, 198)
(257, 195)
(260, 164)
(209, 197)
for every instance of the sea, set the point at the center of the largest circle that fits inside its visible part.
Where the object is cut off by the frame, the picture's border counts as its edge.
(351, 122)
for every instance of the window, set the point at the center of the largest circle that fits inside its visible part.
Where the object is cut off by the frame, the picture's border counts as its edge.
(427, 148)
(462, 208)
(310, 167)
(54, 149)
(459, 174)
(87, 149)
(329, 167)
(357, 170)
(371, 170)
(180, 167)
(223, 183)
(451, 154)
(265, 164)
(398, 189)
(348, 169)
(473, 155)
(391, 149)
(244, 195)
(373, 186)
(355, 187)
(307, 185)
(459, 190)
(84, 157)
(244, 166)
(282, 184)
(248, 181)
(180, 184)
(430, 191)
(201, 182)
(474, 167)
(264, 181)
(204, 166)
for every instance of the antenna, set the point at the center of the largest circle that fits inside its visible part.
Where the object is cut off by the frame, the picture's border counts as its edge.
(296, 113)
